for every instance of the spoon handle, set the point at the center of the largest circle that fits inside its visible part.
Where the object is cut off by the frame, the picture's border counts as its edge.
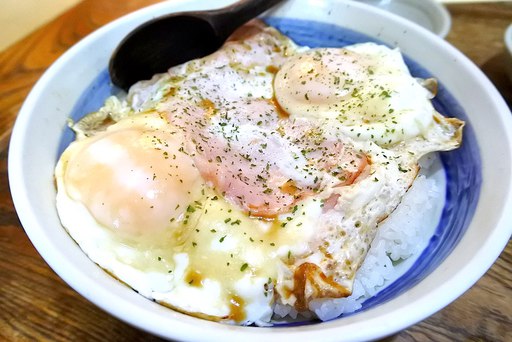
(230, 18)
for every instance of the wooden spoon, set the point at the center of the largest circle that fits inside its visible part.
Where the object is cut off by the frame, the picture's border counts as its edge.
(173, 39)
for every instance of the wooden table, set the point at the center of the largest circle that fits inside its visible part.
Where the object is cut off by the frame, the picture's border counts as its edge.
(35, 304)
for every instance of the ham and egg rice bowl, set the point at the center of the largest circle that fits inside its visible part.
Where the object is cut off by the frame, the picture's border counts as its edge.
(248, 186)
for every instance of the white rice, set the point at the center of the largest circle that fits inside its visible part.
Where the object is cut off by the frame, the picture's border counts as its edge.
(399, 241)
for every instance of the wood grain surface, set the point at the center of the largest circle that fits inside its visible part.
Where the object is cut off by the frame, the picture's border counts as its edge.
(35, 304)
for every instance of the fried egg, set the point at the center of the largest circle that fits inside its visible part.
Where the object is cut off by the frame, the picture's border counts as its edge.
(254, 176)
(366, 87)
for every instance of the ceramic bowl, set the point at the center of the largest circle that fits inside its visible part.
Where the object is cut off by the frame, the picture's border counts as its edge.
(428, 13)
(475, 223)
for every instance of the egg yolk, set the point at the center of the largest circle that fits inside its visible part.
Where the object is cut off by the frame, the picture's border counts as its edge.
(133, 178)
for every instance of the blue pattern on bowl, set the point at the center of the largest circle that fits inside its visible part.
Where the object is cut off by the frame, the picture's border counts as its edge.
(462, 166)
(90, 101)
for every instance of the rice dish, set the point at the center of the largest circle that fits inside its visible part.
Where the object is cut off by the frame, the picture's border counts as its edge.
(249, 185)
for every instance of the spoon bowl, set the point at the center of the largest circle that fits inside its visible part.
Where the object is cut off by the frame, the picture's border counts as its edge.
(173, 39)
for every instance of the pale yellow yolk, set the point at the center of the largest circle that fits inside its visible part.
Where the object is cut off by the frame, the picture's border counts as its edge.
(322, 77)
(135, 179)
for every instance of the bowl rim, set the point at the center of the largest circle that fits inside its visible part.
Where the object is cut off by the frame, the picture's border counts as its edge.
(185, 327)
(436, 11)
(508, 39)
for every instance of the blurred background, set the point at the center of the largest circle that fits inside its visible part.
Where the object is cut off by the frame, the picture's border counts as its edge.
(20, 17)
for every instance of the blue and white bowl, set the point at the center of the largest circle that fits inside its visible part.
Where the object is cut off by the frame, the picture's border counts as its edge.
(474, 227)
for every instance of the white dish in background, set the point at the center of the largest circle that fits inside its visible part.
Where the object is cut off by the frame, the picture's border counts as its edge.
(508, 52)
(428, 13)
(484, 225)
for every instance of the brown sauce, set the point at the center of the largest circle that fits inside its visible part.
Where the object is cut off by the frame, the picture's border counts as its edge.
(272, 69)
(194, 278)
(170, 92)
(325, 252)
(281, 112)
(209, 106)
(236, 308)
(289, 188)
